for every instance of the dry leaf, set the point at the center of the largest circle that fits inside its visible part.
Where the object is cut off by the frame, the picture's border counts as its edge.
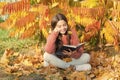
(4, 59)
(78, 76)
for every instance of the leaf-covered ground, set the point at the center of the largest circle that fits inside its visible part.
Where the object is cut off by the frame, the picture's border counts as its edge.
(28, 65)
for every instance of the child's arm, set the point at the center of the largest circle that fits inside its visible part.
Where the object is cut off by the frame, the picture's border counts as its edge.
(50, 46)
(75, 41)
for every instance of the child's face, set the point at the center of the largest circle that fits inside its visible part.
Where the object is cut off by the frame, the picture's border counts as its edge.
(62, 26)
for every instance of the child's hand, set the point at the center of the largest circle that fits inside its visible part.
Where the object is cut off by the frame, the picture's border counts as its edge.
(69, 53)
(56, 29)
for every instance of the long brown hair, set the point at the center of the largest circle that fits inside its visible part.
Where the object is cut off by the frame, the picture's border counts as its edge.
(54, 22)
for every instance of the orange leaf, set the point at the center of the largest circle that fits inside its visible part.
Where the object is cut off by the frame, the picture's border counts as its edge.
(16, 6)
(28, 33)
(93, 26)
(25, 20)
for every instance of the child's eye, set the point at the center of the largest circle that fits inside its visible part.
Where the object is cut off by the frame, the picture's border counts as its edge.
(59, 26)
(64, 24)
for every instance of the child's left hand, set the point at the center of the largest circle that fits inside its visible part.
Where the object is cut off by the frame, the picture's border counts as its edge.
(69, 53)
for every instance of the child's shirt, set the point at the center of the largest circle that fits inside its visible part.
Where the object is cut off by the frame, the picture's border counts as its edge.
(50, 46)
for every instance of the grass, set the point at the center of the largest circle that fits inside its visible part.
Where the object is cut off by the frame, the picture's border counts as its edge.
(1, 20)
(14, 43)
(18, 45)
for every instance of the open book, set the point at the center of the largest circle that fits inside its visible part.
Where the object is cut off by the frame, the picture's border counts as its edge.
(71, 47)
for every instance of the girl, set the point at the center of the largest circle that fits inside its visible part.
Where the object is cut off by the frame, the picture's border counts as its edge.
(60, 36)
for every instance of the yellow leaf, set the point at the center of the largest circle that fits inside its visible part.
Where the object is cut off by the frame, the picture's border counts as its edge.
(67, 59)
(45, 32)
(117, 48)
(15, 53)
(69, 32)
(46, 18)
(77, 18)
(86, 21)
(82, 38)
(26, 62)
(54, 4)
(4, 59)
(106, 76)
(89, 3)
(2, 4)
(78, 76)
(38, 1)
(109, 32)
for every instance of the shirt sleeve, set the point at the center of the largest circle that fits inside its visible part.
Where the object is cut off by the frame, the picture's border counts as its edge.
(50, 46)
(75, 41)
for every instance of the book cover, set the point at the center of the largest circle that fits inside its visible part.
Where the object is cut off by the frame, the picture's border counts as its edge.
(71, 47)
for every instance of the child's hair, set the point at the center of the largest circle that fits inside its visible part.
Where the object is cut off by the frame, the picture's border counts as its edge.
(57, 18)
(54, 22)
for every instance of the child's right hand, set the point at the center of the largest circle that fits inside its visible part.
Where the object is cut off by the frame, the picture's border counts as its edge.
(56, 29)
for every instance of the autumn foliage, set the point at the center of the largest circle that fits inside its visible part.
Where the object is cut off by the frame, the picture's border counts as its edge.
(99, 21)
(17, 6)
(39, 16)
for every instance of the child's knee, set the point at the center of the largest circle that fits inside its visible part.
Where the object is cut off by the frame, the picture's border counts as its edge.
(87, 56)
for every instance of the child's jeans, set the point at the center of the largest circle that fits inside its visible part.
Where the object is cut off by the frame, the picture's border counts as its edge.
(54, 60)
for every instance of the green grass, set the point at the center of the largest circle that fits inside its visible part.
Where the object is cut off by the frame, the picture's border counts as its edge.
(14, 43)
(18, 45)
(1, 20)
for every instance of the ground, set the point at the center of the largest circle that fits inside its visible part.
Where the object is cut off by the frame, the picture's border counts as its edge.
(105, 66)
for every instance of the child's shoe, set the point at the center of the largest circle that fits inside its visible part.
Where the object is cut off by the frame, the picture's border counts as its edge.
(83, 67)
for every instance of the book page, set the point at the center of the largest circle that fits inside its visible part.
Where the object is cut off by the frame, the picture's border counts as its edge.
(72, 47)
